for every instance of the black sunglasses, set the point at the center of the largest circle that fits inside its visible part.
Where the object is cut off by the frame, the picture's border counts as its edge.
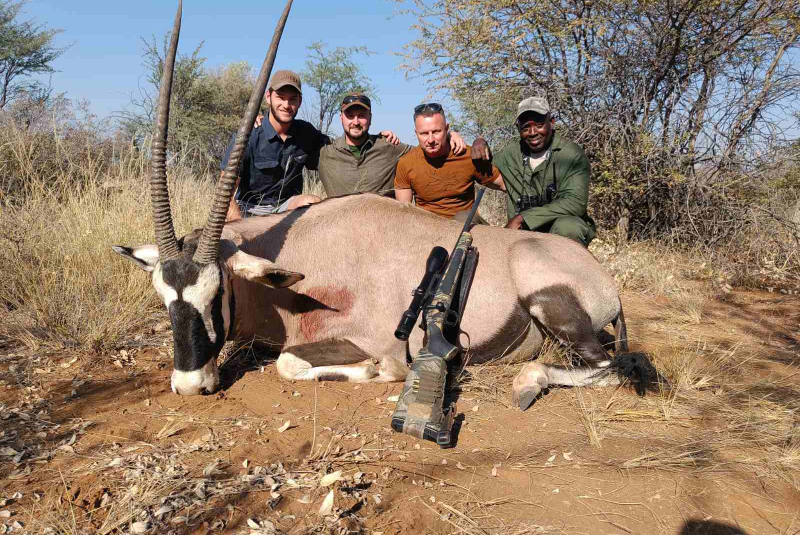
(433, 107)
(361, 99)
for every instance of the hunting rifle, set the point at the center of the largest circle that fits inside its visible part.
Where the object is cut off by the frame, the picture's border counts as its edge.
(441, 297)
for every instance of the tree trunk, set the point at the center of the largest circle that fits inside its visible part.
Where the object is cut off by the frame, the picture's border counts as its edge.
(623, 226)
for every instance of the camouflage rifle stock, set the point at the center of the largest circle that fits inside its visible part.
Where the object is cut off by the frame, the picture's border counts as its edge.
(420, 410)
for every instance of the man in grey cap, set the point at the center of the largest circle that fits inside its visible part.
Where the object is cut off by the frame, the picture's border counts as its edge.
(546, 177)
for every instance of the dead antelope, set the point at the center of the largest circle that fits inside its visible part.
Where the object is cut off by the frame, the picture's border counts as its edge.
(327, 284)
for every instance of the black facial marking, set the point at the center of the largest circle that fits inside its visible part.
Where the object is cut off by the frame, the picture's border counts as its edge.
(193, 348)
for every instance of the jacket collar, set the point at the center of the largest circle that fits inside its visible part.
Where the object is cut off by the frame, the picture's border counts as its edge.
(341, 142)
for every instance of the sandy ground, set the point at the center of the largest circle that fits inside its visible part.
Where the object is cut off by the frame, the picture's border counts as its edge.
(99, 444)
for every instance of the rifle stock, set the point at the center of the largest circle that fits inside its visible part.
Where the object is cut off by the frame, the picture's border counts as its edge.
(420, 411)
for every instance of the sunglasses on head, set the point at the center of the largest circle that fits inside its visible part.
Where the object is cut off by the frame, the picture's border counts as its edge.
(433, 107)
(361, 99)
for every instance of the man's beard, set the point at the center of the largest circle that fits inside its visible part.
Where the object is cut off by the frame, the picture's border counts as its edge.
(357, 139)
(274, 113)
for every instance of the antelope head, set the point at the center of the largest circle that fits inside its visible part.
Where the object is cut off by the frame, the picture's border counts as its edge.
(193, 275)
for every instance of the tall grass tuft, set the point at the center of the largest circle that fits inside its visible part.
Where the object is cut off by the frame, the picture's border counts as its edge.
(60, 283)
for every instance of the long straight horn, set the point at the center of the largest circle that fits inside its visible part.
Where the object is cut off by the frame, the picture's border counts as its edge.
(159, 193)
(207, 249)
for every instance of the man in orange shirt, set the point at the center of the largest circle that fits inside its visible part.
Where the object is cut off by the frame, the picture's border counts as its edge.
(441, 182)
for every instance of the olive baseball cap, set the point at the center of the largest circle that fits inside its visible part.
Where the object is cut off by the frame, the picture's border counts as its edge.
(284, 78)
(535, 104)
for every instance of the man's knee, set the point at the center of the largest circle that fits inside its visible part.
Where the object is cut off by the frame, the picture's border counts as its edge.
(573, 228)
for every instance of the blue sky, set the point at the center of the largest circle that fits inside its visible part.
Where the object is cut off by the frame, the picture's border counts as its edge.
(104, 63)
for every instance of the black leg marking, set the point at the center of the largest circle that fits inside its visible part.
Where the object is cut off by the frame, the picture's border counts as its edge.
(339, 377)
(329, 353)
(566, 319)
(621, 332)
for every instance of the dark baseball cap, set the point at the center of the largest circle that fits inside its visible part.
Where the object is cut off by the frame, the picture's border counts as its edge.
(284, 78)
(356, 99)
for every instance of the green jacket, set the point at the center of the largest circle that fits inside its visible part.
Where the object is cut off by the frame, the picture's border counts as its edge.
(341, 173)
(566, 165)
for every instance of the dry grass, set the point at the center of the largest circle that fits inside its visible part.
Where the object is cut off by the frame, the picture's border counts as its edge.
(716, 414)
(725, 409)
(61, 283)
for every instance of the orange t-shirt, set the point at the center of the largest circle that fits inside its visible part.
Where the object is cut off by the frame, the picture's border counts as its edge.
(446, 185)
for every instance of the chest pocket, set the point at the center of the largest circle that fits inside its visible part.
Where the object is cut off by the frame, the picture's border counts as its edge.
(298, 157)
(266, 164)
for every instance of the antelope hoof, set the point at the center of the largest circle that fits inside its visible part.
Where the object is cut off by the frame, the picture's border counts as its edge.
(528, 384)
(525, 398)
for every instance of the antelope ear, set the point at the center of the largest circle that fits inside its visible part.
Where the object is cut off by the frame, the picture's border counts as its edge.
(257, 269)
(279, 278)
(144, 256)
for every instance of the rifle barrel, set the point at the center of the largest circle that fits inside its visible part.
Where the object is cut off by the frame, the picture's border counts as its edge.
(473, 211)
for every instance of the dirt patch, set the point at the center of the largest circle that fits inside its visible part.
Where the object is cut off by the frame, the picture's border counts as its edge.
(93, 444)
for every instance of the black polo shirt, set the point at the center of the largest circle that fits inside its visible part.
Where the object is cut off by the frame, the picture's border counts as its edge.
(272, 169)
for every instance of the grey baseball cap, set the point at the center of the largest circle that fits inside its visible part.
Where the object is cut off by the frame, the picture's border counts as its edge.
(535, 104)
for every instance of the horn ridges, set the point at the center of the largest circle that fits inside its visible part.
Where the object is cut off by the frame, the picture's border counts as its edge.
(159, 192)
(208, 247)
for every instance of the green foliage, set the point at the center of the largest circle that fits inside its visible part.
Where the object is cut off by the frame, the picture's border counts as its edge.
(677, 103)
(25, 49)
(332, 75)
(205, 109)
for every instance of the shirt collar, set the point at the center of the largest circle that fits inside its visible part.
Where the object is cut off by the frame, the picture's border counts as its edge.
(555, 145)
(268, 131)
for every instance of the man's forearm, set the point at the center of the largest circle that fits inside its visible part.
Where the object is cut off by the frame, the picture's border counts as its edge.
(403, 195)
(497, 183)
(234, 212)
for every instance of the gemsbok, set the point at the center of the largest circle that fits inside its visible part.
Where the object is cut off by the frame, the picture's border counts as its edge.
(327, 284)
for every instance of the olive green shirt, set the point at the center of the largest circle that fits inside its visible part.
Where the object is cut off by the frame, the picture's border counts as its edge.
(566, 165)
(342, 173)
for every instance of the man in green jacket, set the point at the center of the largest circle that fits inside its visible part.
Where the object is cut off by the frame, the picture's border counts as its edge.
(546, 177)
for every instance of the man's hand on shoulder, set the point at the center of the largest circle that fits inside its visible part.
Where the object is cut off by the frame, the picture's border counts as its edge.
(457, 144)
(481, 150)
(259, 120)
(390, 137)
(515, 223)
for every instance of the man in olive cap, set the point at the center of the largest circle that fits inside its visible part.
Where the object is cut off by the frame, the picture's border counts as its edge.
(271, 177)
(358, 161)
(546, 177)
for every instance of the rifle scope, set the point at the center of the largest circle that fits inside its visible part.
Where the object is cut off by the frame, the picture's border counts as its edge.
(436, 261)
